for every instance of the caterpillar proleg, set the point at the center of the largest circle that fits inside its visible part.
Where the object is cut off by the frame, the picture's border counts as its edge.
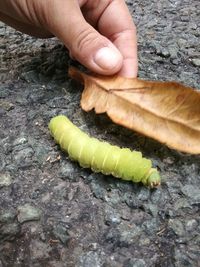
(101, 156)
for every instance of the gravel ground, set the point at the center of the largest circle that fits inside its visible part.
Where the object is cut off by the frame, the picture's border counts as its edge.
(54, 213)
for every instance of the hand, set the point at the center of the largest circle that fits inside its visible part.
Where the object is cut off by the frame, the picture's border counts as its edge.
(100, 34)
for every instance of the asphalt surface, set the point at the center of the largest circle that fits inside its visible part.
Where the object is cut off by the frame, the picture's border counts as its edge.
(53, 213)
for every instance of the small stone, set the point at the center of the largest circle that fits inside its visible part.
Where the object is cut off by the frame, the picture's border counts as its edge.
(181, 258)
(9, 231)
(181, 203)
(150, 226)
(30, 76)
(162, 51)
(156, 196)
(67, 170)
(177, 226)
(2, 31)
(196, 62)
(112, 217)
(173, 50)
(6, 105)
(7, 216)
(168, 160)
(90, 258)
(113, 197)
(60, 231)
(191, 225)
(28, 213)
(97, 186)
(193, 26)
(113, 235)
(42, 237)
(129, 234)
(151, 208)
(23, 156)
(5, 179)
(144, 241)
(143, 194)
(20, 141)
(125, 215)
(41, 152)
(192, 192)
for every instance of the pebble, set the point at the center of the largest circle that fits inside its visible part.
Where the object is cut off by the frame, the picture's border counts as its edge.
(61, 232)
(196, 62)
(2, 31)
(20, 141)
(143, 193)
(144, 241)
(41, 152)
(150, 226)
(177, 226)
(5, 179)
(23, 156)
(6, 105)
(151, 208)
(162, 51)
(7, 216)
(97, 187)
(193, 192)
(112, 217)
(90, 259)
(67, 170)
(128, 233)
(181, 203)
(9, 231)
(28, 213)
(181, 258)
(191, 225)
(113, 197)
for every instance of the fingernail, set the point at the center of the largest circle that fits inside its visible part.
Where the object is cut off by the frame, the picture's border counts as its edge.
(107, 58)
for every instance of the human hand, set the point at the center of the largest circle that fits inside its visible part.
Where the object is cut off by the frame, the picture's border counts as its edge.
(100, 34)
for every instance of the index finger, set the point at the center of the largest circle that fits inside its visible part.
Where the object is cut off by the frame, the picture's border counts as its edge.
(117, 25)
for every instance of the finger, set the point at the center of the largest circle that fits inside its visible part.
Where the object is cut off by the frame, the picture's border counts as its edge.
(22, 11)
(87, 45)
(116, 24)
(25, 28)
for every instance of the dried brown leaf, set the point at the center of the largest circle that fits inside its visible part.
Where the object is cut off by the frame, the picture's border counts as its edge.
(166, 111)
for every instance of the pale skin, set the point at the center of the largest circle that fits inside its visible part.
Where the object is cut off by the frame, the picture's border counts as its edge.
(100, 34)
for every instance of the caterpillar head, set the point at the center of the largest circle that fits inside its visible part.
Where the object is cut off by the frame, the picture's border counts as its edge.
(152, 179)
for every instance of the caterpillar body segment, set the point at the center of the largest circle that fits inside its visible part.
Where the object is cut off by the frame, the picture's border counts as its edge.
(88, 153)
(102, 156)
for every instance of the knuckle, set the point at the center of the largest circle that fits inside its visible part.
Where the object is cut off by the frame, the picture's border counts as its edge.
(85, 39)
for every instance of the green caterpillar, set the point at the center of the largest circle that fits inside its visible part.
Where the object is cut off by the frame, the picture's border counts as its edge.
(101, 156)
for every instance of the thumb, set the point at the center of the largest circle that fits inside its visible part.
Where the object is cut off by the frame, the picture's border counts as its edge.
(94, 50)
(85, 44)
